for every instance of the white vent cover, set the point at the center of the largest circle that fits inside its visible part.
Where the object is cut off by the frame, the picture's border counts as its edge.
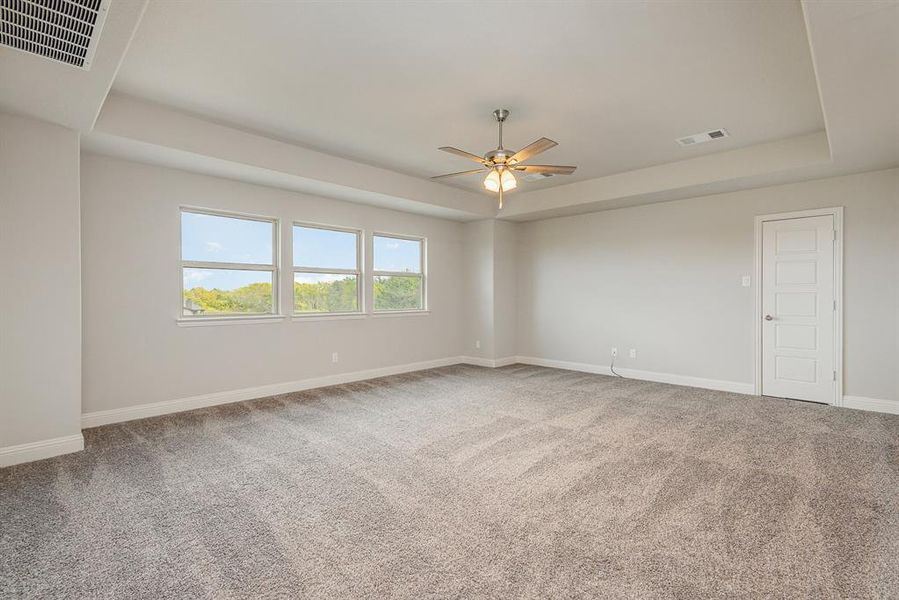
(61, 30)
(705, 136)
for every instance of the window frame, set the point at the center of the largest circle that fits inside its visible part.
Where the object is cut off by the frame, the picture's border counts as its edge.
(422, 274)
(273, 268)
(358, 271)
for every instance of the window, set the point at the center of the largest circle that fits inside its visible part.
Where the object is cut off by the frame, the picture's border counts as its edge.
(326, 270)
(228, 264)
(399, 274)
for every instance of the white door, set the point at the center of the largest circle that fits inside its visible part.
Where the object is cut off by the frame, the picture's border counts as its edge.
(798, 309)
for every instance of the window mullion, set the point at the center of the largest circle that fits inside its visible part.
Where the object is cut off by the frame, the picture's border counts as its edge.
(197, 264)
(276, 263)
(326, 271)
(395, 274)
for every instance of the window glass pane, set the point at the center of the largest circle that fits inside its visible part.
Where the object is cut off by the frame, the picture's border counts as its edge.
(216, 291)
(397, 292)
(211, 238)
(323, 248)
(324, 292)
(394, 254)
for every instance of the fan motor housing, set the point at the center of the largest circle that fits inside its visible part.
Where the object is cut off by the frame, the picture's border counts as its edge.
(499, 156)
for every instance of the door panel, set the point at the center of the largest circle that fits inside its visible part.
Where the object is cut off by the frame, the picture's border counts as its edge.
(798, 309)
(799, 272)
(798, 337)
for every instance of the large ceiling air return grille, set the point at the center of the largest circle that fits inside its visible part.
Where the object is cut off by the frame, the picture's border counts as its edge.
(61, 30)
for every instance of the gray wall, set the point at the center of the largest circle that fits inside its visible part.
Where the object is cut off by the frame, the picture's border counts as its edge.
(505, 288)
(491, 289)
(40, 299)
(479, 297)
(665, 279)
(135, 353)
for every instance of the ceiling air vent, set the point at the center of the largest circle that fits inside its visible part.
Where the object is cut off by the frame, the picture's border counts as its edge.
(62, 30)
(699, 138)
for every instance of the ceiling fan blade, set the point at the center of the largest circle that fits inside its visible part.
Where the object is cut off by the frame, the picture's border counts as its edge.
(553, 169)
(462, 153)
(532, 149)
(472, 172)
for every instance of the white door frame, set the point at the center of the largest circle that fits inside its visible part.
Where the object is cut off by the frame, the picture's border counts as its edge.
(837, 213)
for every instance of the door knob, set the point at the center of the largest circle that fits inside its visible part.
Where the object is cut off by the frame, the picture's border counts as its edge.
(769, 318)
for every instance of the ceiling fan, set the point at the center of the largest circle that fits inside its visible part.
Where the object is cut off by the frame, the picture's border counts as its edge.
(499, 164)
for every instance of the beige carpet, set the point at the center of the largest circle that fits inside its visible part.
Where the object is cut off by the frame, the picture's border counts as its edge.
(465, 482)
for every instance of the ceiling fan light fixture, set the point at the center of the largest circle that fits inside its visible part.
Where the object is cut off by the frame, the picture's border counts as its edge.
(496, 180)
(499, 163)
(492, 181)
(507, 180)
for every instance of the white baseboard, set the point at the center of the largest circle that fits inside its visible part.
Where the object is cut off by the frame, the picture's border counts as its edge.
(736, 387)
(476, 361)
(14, 455)
(489, 362)
(48, 448)
(856, 402)
(873, 404)
(130, 413)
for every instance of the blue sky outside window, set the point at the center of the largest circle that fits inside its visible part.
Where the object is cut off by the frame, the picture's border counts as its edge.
(397, 255)
(323, 248)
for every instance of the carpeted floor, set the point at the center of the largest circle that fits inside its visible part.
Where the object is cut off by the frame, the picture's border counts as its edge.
(465, 482)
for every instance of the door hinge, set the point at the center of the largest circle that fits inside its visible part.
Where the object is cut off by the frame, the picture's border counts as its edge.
(834, 235)
(834, 304)
(834, 375)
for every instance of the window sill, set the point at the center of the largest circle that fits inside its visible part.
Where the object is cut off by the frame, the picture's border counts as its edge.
(214, 321)
(401, 313)
(328, 316)
(242, 320)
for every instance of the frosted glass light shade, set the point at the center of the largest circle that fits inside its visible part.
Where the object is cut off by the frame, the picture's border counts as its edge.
(508, 181)
(492, 182)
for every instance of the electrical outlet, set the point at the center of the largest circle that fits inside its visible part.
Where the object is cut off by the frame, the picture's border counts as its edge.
(477, 344)
(614, 352)
(633, 353)
(333, 357)
(747, 281)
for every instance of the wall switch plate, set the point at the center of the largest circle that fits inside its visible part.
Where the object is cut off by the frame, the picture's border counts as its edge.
(333, 357)
(477, 344)
(614, 352)
(747, 281)
(633, 353)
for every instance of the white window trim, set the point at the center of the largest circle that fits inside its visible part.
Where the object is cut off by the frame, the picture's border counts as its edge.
(358, 272)
(273, 268)
(308, 317)
(216, 320)
(385, 314)
(423, 274)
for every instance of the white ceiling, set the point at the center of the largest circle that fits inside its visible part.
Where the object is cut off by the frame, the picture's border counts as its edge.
(856, 49)
(63, 94)
(387, 83)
